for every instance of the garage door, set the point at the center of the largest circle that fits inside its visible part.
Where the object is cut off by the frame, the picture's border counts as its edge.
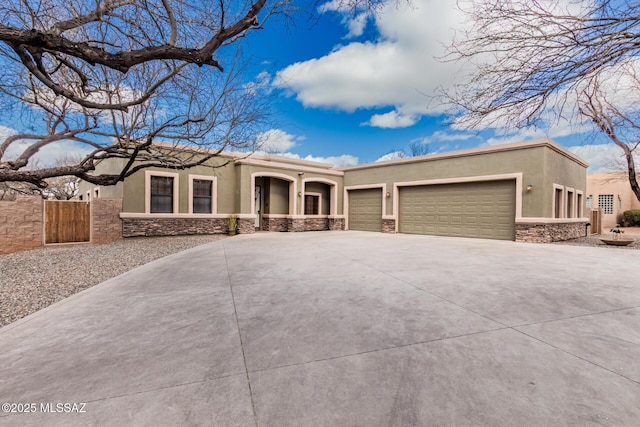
(479, 209)
(365, 210)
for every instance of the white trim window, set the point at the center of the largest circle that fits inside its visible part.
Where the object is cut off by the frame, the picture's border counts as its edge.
(579, 204)
(202, 194)
(558, 201)
(161, 192)
(312, 203)
(570, 208)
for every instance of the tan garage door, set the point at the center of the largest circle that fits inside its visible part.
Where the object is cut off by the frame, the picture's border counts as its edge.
(479, 209)
(365, 209)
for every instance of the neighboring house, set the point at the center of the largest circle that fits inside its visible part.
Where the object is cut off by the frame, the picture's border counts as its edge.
(611, 192)
(531, 191)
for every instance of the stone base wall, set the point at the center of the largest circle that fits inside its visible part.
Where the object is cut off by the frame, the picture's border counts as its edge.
(134, 227)
(275, 224)
(246, 225)
(316, 224)
(336, 224)
(106, 225)
(388, 225)
(295, 225)
(547, 233)
(21, 224)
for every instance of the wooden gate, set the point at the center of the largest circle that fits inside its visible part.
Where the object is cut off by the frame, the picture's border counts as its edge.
(595, 219)
(67, 221)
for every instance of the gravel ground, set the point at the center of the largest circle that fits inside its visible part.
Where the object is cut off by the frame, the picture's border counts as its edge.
(594, 240)
(32, 280)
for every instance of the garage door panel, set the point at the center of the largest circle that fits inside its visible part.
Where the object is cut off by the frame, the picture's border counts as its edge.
(479, 209)
(365, 210)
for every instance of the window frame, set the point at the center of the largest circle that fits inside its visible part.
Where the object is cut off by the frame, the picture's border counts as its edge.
(570, 203)
(176, 192)
(604, 211)
(304, 202)
(558, 203)
(214, 192)
(579, 204)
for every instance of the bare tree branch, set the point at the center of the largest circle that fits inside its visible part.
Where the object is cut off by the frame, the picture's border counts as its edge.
(536, 62)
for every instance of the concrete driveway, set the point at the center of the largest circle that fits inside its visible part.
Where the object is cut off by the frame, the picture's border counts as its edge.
(339, 329)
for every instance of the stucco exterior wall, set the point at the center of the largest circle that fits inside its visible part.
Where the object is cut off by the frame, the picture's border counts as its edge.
(559, 170)
(134, 186)
(540, 167)
(616, 184)
(110, 167)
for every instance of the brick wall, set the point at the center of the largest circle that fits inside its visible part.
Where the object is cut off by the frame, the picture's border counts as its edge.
(21, 224)
(106, 225)
(132, 227)
(547, 233)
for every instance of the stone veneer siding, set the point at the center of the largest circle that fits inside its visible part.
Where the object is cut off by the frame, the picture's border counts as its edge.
(295, 225)
(547, 233)
(336, 224)
(316, 224)
(106, 225)
(388, 225)
(21, 224)
(132, 227)
(274, 224)
(246, 226)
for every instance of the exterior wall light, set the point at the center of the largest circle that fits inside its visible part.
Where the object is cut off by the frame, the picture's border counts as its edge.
(388, 194)
(529, 187)
(299, 193)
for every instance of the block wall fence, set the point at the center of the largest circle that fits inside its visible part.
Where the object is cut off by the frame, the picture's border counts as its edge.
(22, 222)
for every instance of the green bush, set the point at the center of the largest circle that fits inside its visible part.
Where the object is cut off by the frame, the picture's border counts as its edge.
(631, 218)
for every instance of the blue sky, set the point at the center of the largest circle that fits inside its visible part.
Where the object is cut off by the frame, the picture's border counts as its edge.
(351, 88)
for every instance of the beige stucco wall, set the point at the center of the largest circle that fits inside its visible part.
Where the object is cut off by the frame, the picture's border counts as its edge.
(559, 170)
(325, 192)
(282, 173)
(616, 184)
(540, 167)
(110, 167)
(134, 187)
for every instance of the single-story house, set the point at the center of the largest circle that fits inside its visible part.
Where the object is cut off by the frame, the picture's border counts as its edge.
(610, 192)
(530, 191)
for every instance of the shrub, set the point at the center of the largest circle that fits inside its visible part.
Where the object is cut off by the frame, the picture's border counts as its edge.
(631, 218)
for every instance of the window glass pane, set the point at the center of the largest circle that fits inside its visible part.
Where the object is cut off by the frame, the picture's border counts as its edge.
(311, 204)
(161, 194)
(202, 188)
(605, 202)
(202, 196)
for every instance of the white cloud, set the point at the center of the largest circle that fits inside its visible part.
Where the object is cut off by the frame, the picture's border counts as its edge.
(357, 25)
(443, 136)
(398, 70)
(392, 120)
(276, 141)
(337, 161)
(6, 132)
(602, 157)
(394, 155)
(48, 155)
